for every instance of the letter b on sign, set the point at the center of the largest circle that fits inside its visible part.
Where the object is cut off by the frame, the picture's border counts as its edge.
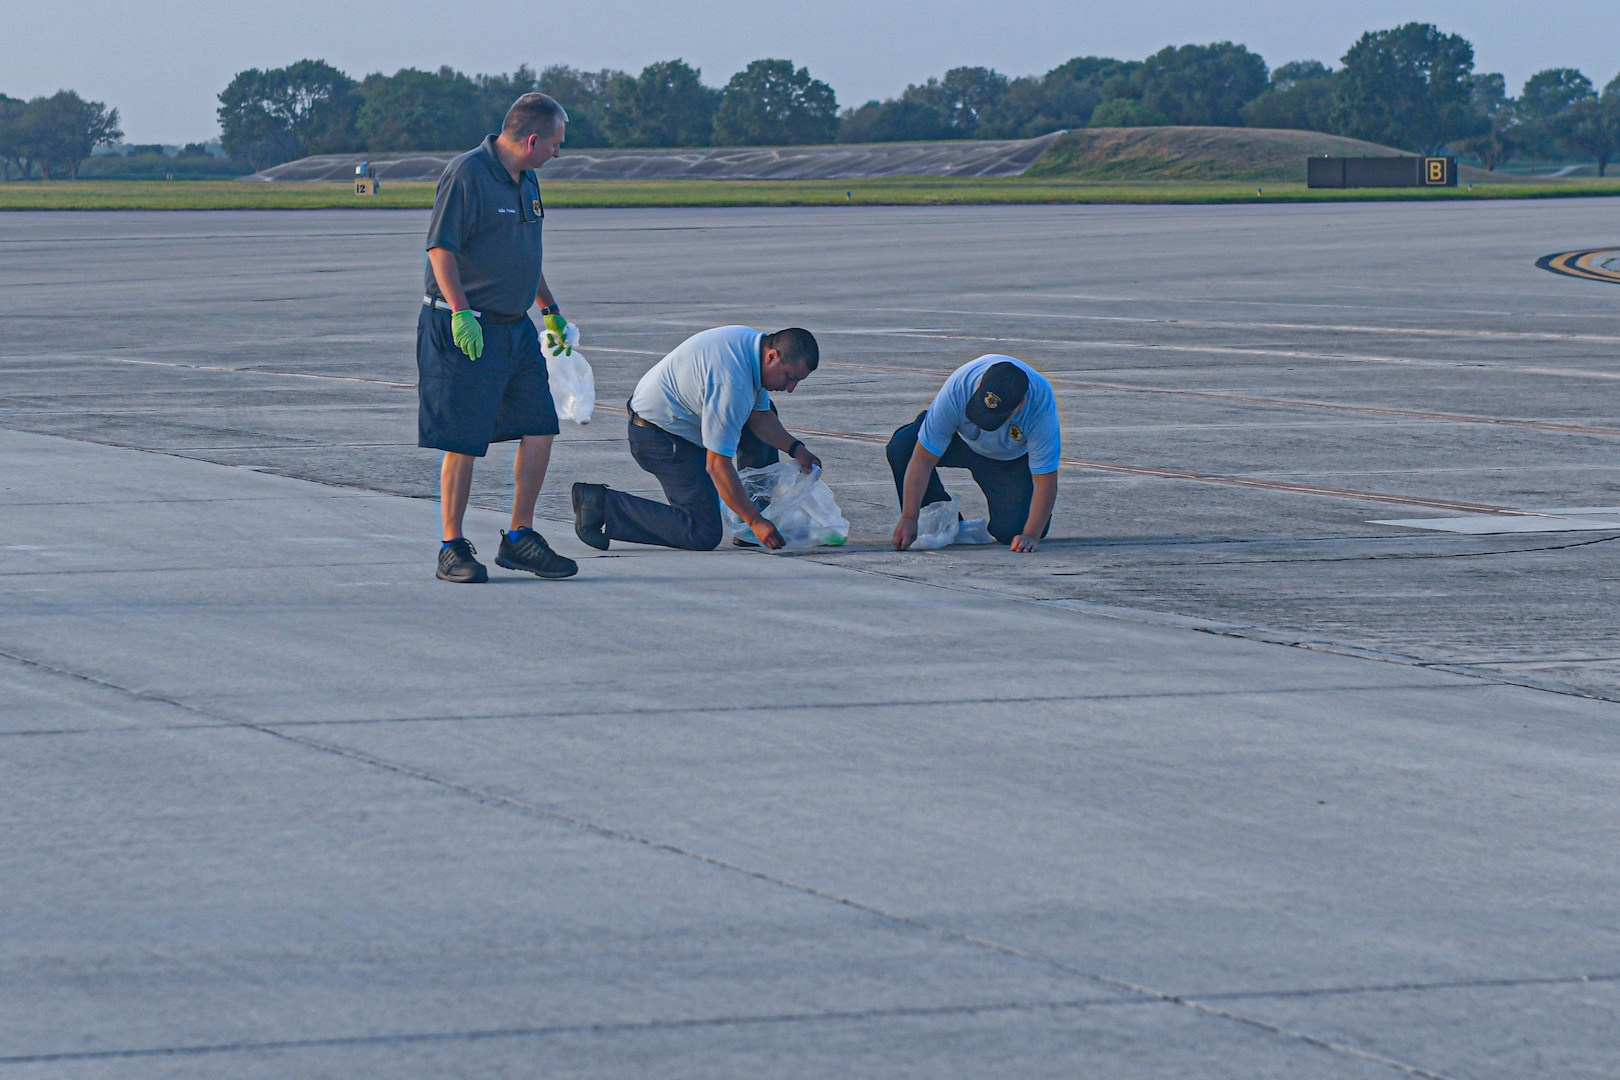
(1434, 171)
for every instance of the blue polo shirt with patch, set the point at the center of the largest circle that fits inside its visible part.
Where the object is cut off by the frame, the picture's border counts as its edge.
(492, 226)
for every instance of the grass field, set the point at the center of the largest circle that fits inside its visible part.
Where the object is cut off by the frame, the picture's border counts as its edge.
(888, 191)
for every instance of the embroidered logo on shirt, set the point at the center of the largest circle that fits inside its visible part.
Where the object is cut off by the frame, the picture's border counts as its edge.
(505, 210)
(535, 205)
(1015, 432)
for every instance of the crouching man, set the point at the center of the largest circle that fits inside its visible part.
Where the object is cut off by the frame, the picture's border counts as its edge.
(687, 418)
(997, 418)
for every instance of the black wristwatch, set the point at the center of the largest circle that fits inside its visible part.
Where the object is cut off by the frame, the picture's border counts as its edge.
(552, 310)
(793, 450)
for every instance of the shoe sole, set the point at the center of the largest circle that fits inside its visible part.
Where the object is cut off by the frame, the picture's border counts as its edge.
(550, 575)
(597, 537)
(479, 580)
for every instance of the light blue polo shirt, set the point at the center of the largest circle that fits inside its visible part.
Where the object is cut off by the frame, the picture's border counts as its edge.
(705, 389)
(1033, 429)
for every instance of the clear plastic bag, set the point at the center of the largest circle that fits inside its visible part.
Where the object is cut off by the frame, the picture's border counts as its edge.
(939, 525)
(974, 531)
(573, 384)
(799, 504)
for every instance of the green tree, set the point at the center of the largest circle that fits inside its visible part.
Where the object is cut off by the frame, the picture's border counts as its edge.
(1410, 87)
(1300, 97)
(1200, 84)
(1125, 112)
(1501, 139)
(267, 117)
(961, 99)
(890, 121)
(769, 103)
(583, 94)
(63, 129)
(1550, 109)
(1063, 98)
(11, 135)
(666, 105)
(419, 110)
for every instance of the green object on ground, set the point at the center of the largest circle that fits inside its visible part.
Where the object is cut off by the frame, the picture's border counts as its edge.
(468, 334)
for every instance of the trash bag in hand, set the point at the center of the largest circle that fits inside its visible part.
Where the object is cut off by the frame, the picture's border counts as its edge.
(573, 386)
(799, 504)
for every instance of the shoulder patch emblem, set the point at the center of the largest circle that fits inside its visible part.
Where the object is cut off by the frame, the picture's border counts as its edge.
(1016, 432)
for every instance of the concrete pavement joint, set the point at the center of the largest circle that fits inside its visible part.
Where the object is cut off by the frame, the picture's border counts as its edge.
(821, 706)
(1263, 635)
(610, 832)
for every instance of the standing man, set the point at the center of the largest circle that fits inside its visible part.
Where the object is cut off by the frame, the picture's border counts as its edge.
(996, 417)
(482, 378)
(687, 418)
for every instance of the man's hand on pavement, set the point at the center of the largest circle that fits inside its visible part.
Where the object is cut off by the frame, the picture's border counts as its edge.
(558, 326)
(1025, 542)
(468, 334)
(766, 534)
(905, 533)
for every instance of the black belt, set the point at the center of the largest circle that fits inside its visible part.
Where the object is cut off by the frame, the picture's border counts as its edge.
(482, 316)
(639, 422)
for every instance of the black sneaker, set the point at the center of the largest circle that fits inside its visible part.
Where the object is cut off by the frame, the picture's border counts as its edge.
(456, 563)
(590, 514)
(525, 549)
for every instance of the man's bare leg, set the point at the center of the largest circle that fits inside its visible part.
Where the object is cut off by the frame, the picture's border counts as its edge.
(528, 476)
(455, 485)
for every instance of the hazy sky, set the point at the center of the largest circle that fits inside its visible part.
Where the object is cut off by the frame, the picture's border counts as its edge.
(161, 64)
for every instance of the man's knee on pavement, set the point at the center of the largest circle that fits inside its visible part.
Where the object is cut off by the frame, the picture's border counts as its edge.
(706, 535)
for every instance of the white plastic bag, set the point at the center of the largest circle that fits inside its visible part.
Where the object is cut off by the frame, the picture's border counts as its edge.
(939, 525)
(974, 531)
(573, 385)
(799, 504)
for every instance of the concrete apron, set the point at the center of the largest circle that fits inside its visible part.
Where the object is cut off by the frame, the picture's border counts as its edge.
(276, 800)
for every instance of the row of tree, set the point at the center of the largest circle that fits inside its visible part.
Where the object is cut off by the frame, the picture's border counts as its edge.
(52, 136)
(1412, 87)
(267, 117)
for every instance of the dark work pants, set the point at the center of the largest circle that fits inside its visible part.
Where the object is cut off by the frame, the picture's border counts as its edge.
(692, 518)
(1007, 485)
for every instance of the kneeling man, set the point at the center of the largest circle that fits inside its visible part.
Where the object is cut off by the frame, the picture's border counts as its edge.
(997, 418)
(687, 418)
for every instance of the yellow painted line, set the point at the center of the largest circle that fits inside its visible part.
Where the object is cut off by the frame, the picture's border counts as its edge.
(1581, 264)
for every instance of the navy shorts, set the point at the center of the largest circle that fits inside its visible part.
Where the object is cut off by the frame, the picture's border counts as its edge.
(464, 405)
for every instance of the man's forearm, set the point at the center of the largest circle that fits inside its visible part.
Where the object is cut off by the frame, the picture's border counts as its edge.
(1041, 504)
(917, 474)
(730, 487)
(542, 295)
(448, 275)
(768, 427)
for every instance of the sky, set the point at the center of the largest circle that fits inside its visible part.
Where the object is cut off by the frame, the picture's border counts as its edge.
(161, 64)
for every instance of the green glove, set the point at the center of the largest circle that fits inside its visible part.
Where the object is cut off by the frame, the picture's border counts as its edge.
(468, 334)
(559, 329)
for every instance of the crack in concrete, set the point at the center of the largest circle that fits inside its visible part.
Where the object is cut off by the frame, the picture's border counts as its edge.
(490, 797)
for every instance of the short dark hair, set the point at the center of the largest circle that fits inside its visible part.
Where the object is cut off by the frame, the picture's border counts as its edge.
(795, 345)
(533, 114)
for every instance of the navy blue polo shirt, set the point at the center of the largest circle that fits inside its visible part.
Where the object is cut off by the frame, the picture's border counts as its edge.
(492, 225)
